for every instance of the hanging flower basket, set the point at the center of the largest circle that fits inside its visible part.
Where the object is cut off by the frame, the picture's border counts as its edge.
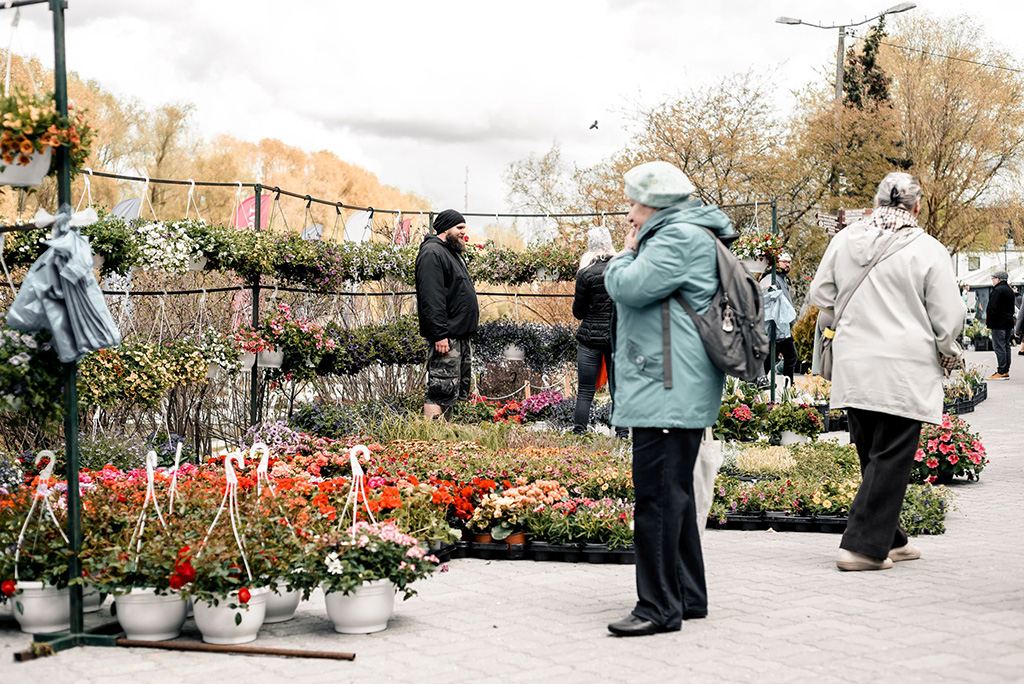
(28, 175)
(197, 264)
(248, 359)
(270, 359)
(97, 261)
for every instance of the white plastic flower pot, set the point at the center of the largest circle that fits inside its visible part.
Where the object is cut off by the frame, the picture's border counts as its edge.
(513, 353)
(281, 607)
(26, 176)
(97, 261)
(197, 264)
(219, 624)
(755, 265)
(248, 360)
(148, 616)
(364, 611)
(41, 609)
(92, 598)
(270, 359)
(213, 370)
(789, 437)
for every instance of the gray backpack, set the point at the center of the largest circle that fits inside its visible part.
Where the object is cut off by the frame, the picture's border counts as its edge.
(732, 329)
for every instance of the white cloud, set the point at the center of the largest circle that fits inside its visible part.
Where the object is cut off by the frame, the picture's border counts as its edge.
(418, 91)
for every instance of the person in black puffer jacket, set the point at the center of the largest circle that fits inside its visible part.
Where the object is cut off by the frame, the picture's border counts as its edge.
(999, 319)
(593, 307)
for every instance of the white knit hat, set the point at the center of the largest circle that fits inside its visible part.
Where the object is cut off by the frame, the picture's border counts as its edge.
(657, 184)
(599, 239)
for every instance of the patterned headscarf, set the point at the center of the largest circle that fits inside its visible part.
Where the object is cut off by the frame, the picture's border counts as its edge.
(893, 218)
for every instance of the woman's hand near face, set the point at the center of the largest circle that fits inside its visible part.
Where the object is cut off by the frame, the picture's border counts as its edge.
(631, 242)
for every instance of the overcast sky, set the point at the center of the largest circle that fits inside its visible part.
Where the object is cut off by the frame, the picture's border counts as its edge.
(419, 91)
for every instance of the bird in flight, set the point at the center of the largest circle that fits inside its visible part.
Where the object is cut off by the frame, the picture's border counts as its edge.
(593, 125)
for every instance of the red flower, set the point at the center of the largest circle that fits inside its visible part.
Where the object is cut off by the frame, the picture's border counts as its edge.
(7, 587)
(244, 595)
(176, 581)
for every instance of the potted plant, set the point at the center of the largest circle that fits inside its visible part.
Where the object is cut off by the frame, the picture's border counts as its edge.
(145, 572)
(300, 343)
(31, 129)
(137, 372)
(793, 423)
(502, 514)
(757, 250)
(115, 247)
(250, 343)
(361, 568)
(219, 351)
(34, 573)
(948, 450)
(164, 247)
(740, 419)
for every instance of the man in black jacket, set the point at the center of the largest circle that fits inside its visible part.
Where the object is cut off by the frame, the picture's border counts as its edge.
(999, 318)
(448, 312)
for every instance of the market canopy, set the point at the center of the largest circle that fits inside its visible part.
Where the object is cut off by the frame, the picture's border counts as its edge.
(983, 277)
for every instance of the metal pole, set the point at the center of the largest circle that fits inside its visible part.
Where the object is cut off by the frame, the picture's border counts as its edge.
(840, 59)
(771, 324)
(70, 370)
(254, 388)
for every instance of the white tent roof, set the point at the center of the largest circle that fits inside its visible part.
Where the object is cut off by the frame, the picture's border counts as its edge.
(983, 277)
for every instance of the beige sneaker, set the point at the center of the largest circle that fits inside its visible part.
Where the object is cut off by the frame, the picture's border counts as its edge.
(855, 562)
(904, 553)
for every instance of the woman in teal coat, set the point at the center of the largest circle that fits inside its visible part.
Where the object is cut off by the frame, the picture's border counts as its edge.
(667, 249)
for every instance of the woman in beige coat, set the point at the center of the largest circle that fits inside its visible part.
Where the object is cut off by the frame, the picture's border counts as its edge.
(890, 348)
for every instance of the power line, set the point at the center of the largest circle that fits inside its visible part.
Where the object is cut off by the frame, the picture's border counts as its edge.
(956, 59)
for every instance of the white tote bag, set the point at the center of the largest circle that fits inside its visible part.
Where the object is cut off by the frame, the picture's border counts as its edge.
(709, 460)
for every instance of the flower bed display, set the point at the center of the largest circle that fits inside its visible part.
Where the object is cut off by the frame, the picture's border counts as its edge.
(948, 450)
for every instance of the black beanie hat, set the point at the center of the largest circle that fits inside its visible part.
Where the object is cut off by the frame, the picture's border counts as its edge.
(447, 219)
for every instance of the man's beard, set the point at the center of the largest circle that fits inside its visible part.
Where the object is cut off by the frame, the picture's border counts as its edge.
(456, 244)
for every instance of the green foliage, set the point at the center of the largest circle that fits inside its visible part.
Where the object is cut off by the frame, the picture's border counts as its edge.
(30, 379)
(741, 419)
(799, 418)
(803, 334)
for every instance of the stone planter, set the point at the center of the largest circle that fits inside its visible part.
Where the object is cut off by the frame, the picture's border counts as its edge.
(364, 611)
(513, 353)
(281, 606)
(270, 359)
(30, 175)
(789, 437)
(41, 609)
(147, 616)
(92, 599)
(755, 265)
(219, 623)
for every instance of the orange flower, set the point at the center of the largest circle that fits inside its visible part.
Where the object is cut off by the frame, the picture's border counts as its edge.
(26, 146)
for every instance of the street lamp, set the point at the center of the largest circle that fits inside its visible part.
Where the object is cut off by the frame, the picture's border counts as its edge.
(841, 51)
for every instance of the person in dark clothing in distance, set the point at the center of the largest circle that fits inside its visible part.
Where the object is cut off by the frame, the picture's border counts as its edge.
(593, 307)
(999, 318)
(784, 343)
(448, 313)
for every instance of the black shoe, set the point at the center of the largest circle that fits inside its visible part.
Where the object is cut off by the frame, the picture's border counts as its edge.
(694, 616)
(635, 626)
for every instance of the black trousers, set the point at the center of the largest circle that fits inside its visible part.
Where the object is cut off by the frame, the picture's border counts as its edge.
(787, 348)
(1001, 344)
(886, 446)
(588, 367)
(670, 583)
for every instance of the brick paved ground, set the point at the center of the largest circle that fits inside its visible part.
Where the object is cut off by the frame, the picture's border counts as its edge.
(780, 611)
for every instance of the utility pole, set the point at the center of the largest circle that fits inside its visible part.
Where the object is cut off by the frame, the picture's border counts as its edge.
(840, 61)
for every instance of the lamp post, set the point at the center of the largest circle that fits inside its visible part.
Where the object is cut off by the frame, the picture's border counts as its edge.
(841, 50)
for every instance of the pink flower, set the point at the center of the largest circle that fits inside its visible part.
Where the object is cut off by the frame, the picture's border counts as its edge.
(931, 478)
(946, 437)
(932, 463)
(947, 424)
(919, 456)
(933, 444)
(946, 449)
(953, 459)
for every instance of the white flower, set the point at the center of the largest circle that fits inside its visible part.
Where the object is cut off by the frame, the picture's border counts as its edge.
(333, 562)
